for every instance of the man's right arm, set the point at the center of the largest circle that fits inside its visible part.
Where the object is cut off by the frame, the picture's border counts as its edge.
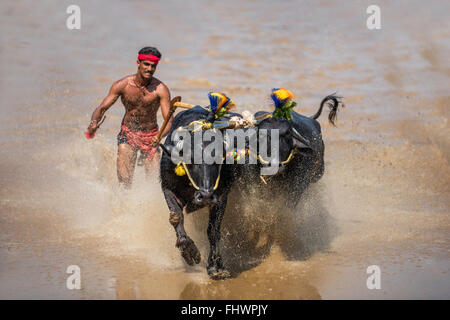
(113, 95)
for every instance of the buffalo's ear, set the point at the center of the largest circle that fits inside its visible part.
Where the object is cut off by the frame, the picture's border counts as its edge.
(301, 144)
(167, 149)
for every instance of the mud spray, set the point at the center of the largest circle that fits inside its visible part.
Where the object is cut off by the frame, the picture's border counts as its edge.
(384, 198)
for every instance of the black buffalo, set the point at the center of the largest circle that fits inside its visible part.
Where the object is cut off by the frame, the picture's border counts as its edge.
(300, 156)
(194, 191)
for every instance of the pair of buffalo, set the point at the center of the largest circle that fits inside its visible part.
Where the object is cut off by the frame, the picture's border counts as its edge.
(301, 162)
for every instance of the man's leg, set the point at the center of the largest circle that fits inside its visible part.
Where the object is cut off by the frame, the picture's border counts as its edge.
(152, 166)
(126, 162)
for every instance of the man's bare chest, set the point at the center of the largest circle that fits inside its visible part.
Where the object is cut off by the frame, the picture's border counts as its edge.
(139, 97)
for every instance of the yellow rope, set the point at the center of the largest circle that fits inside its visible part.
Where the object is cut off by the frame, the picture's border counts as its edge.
(189, 176)
(263, 180)
(291, 155)
(262, 160)
(289, 158)
(218, 178)
(198, 125)
(192, 180)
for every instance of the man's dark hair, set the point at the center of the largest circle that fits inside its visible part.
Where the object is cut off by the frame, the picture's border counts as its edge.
(150, 50)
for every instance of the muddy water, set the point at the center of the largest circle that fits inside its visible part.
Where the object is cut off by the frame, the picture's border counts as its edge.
(384, 199)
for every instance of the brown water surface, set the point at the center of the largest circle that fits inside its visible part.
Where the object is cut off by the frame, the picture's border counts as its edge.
(384, 199)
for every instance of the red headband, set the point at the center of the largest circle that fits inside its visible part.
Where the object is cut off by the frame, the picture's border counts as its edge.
(149, 57)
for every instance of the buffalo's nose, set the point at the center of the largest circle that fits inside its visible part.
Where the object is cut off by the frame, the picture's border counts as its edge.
(204, 196)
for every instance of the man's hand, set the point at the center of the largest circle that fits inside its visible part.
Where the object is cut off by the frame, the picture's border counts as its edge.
(90, 133)
(154, 142)
(113, 95)
(92, 128)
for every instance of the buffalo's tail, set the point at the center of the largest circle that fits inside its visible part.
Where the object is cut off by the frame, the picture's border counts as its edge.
(332, 101)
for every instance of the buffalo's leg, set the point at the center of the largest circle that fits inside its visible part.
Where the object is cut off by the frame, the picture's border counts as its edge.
(188, 249)
(215, 265)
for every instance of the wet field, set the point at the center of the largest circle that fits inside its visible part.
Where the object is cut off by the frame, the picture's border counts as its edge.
(384, 199)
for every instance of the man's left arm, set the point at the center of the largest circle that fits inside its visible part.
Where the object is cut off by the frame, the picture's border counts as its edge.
(164, 100)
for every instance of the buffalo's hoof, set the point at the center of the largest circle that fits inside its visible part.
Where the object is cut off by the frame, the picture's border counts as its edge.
(218, 273)
(189, 250)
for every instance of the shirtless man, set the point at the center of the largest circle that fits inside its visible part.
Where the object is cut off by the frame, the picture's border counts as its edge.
(141, 94)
